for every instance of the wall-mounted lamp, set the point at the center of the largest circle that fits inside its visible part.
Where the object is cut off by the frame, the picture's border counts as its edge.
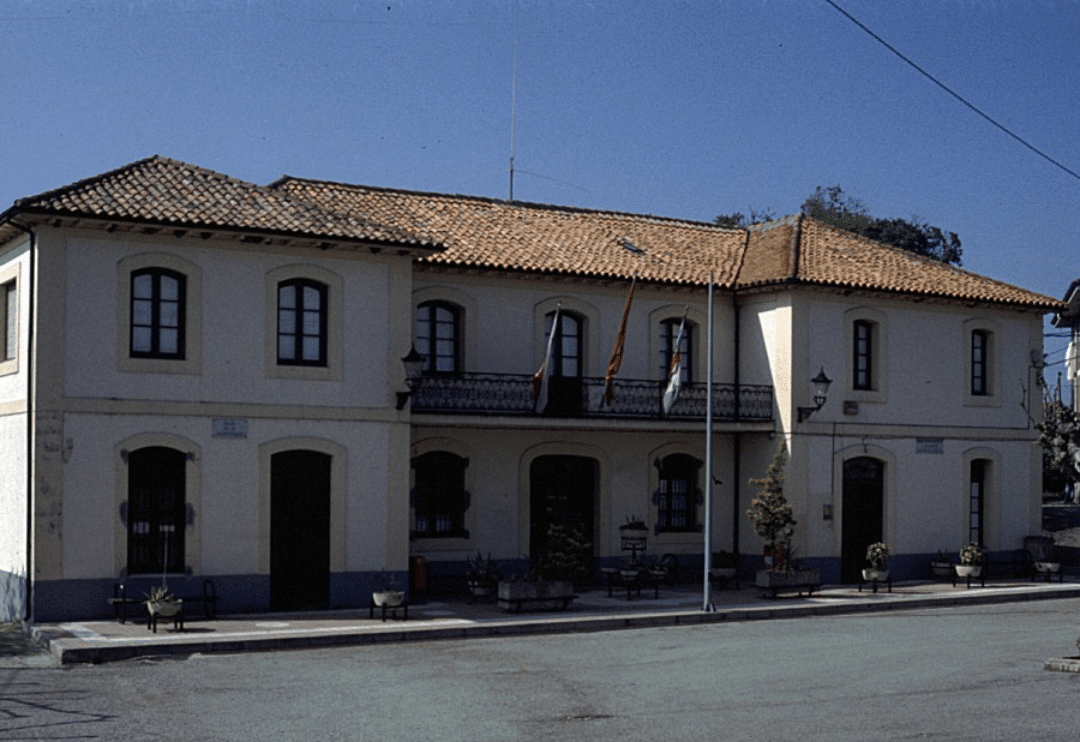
(414, 366)
(821, 389)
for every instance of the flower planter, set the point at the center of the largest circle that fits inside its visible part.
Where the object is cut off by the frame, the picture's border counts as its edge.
(968, 570)
(164, 608)
(797, 581)
(1051, 568)
(388, 598)
(875, 575)
(942, 570)
(544, 594)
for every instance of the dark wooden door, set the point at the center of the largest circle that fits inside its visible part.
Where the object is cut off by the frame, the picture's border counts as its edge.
(863, 513)
(299, 530)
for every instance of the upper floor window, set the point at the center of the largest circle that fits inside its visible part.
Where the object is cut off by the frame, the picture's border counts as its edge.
(439, 497)
(301, 323)
(669, 333)
(677, 499)
(157, 313)
(438, 331)
(980, 357)
(9, 305)
(566, 353)
(863, 355)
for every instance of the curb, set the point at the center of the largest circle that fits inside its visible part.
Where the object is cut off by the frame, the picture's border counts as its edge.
(72, 650)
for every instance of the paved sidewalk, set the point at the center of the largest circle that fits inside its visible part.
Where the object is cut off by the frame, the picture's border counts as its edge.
(106, 641)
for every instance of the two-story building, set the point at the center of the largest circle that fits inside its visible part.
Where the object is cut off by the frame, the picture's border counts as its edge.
(203, 377)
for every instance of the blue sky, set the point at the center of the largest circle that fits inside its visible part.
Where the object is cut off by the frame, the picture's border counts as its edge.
(685, 109)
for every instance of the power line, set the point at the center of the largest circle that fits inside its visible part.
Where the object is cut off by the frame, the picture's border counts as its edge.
(948, 90)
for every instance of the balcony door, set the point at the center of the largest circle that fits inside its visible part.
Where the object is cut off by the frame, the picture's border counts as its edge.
(565, 384)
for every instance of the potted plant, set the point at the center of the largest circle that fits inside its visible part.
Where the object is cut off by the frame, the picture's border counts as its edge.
(482, 575)
(386, 593)
(160, 602)
(941, 566)
(549, 582)
(877, 560)
(724, 566)
(633, 523)
(774, 523)
(971, 560)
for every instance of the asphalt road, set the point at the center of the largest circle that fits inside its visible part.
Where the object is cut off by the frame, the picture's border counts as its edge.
(946, 674)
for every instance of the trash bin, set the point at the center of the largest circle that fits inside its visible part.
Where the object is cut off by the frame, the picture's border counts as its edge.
(417, 575)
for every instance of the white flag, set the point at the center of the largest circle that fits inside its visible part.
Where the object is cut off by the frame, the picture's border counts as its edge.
(540, 378)
(671, 394)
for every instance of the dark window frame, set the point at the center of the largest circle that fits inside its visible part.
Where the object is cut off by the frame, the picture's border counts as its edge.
(679, 494)
(862, 369)
(156, 510)
(980, 363)
(433, 320)
(10, 329)
(298, 314)
(977, 480)
(156, 326)
(567, 348)
(669, 330)
(439, 497)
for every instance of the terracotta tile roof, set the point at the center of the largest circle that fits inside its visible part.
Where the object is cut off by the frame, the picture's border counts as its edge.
(167, 192)
(833, 257)
(488, 233)
(517, 236)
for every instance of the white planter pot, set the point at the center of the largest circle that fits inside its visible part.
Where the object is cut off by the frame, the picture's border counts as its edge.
(1048, 567)
(164, 608)
(875, 575)
(388, 598)
(968, 570)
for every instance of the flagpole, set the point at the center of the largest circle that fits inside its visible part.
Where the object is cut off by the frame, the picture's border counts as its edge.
(706, 605)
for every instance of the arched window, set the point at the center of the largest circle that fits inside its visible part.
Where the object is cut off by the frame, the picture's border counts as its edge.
(862, 374)
(158, 298)
(438, 337)
(677, 499)
(669, 333)
(566, 355)
(156, 510)
(301, 320)
(439, 496)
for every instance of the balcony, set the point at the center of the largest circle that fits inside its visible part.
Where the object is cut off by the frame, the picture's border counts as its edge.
(512, 394)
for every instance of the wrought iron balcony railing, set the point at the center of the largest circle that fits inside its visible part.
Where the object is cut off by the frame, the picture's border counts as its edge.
(512, 394)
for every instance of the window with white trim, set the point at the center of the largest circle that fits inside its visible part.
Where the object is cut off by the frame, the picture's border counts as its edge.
(301, 323)
(9, 305)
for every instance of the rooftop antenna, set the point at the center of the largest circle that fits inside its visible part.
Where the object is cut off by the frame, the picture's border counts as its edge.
(513, 104)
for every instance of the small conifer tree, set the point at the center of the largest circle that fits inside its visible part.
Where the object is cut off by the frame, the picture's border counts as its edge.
(769, 512)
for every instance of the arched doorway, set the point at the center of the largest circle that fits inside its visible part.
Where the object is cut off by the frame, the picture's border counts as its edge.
(562, 502)
(862, 516)
(299, 530)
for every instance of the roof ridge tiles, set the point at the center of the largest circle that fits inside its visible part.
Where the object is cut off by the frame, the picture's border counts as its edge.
(284, 180)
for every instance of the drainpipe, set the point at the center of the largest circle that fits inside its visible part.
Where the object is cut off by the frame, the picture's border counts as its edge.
(28, 611)
(737, 442)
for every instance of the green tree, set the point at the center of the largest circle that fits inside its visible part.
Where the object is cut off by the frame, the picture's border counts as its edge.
(770, 513)
(1059, 436)
(739, 220)
(832, 206)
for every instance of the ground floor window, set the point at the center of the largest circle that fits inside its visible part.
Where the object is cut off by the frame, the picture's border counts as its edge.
(156, 510)
(439, 495)
(678, 496)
